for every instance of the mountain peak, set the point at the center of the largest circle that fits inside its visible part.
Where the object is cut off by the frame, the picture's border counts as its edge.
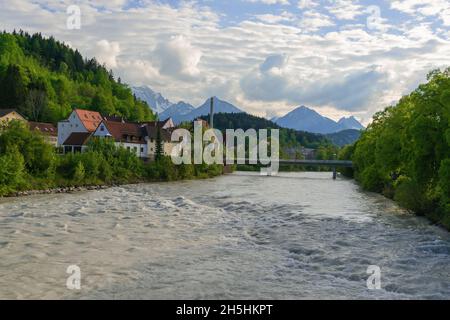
(306, 119)
(350, 123)
(154, 99)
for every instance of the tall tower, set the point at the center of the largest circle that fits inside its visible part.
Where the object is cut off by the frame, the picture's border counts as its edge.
(211, 114)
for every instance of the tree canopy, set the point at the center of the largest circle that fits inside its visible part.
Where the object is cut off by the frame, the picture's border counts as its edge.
(45, 79)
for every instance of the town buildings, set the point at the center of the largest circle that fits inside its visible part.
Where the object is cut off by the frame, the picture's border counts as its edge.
(140, 138)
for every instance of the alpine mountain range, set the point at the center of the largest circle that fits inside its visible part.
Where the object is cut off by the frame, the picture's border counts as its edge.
(301, 118)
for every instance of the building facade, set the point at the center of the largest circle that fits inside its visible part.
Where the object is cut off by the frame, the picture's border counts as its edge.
(7, 115)
(79, 121)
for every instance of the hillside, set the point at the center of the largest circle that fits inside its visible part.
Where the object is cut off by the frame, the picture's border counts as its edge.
(344, 137)
(45, 79)
(288, 138)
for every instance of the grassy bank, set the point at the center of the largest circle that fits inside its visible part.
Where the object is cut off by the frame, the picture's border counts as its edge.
(27, 162)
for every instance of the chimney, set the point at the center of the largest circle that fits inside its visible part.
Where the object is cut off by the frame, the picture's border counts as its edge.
(211, 114)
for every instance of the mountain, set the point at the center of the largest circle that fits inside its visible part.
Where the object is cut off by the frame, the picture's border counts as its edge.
(289, 138)
(176, 111)
(220, 106)
(344, 137)
(306, 119)
(154, 99)
(350, 123)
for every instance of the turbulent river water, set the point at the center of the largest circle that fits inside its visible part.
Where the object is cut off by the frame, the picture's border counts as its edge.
(295, 236)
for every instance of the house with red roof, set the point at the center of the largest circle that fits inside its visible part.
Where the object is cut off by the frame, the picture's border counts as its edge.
(139, 138)
(79, 121)
(48, 130)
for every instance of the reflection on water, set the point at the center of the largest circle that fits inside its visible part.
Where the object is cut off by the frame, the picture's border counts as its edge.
(298, 235)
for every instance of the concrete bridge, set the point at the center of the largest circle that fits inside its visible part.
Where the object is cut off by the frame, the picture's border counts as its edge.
(316, 163)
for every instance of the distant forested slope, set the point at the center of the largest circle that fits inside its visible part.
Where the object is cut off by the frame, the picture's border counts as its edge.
(289, 138)
(344, 137)
(45, 79)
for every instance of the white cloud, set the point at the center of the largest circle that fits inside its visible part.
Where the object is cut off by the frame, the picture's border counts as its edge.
(346, 9)
(106, 52)
(282, 2)
(439, 8)
(268, 64)
(177, 57)
(307, 4)
(314, 20)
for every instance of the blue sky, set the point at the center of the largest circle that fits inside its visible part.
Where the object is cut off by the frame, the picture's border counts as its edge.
(339, 57)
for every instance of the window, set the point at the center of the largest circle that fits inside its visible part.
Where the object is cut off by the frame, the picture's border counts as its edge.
(142, 150)
(102, 128)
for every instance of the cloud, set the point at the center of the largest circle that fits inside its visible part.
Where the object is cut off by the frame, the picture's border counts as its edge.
(307, 4)
(265, 59)
(282, 2)
(276, 61)
(345, 9)
(177, 57)
(106, 52)
(349, 91)
(439, 8)
(314, 20)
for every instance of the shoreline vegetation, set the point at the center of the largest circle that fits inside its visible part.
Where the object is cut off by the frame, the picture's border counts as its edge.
(29, 165)
(404, 154)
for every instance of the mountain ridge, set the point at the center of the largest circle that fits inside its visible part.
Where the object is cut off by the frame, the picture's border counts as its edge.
(306, 119)
(301, 118)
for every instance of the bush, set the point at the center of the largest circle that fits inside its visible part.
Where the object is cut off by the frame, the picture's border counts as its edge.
(12, 171)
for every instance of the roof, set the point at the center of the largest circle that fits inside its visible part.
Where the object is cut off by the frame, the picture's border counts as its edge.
(114, 118)
(126, 131)
(158, 123)
(90, 119)
(4, 112)
(151, 131)
(77, 139)
(46, 128)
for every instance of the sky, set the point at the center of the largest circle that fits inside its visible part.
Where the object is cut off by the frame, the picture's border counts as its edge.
(339, 57)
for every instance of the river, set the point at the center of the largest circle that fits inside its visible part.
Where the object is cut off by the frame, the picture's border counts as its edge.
(240, 236)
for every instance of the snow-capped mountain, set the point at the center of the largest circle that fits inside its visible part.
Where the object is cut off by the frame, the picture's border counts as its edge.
(154, 99)
(176, 111)
(306, 119)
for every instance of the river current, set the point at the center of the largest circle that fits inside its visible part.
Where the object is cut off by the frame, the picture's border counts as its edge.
(240, 236)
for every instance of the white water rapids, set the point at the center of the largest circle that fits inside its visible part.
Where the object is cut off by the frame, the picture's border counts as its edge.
(295, 236)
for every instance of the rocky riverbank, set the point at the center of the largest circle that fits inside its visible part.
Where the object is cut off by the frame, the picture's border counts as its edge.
(57, 190)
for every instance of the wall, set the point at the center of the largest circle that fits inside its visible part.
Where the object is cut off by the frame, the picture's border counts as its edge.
(71, 125)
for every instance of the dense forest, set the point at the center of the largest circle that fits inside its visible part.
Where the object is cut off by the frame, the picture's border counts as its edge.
(45, 79)
(405, 152)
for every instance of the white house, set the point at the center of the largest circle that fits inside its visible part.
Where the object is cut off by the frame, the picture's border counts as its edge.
(79, 121)
(125, 134)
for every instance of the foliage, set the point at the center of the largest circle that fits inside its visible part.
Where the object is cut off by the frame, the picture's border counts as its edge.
(45, 79)
(405, 152)
(28, 162)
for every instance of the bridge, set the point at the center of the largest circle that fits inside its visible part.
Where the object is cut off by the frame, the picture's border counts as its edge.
(315, 163)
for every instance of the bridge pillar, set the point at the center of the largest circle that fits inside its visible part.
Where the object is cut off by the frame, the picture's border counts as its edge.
(334, 173)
